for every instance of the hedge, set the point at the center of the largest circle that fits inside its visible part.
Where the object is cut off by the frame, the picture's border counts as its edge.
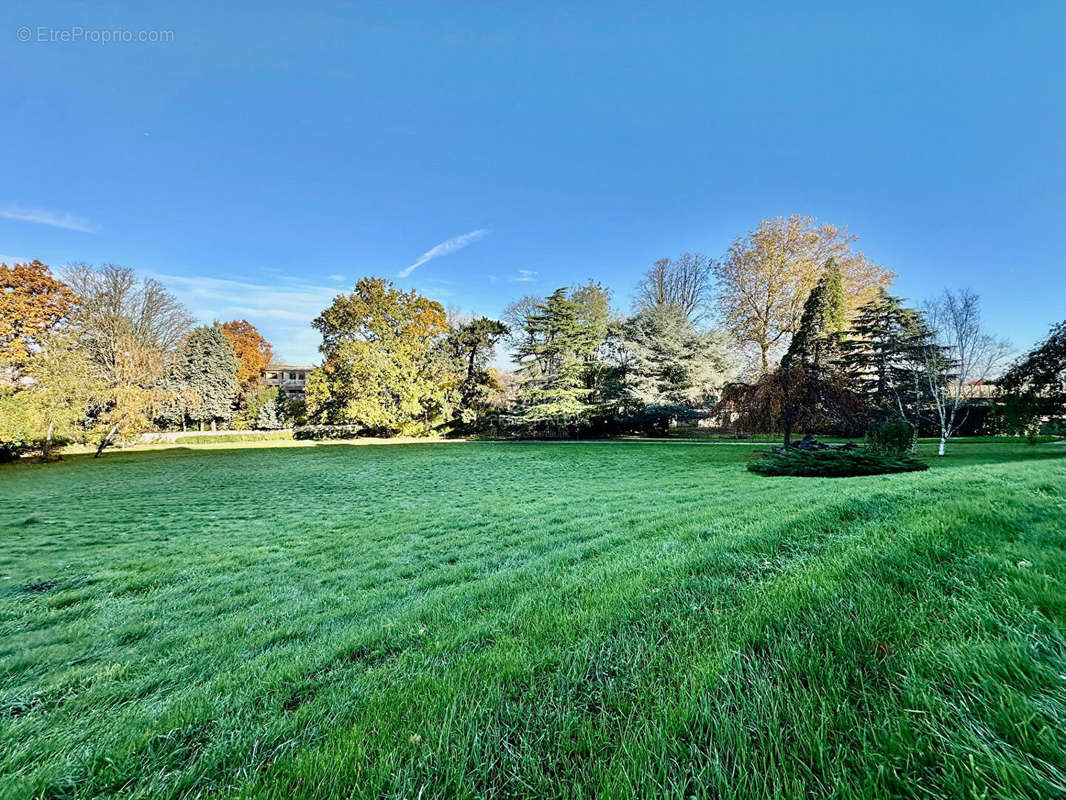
(833, 463)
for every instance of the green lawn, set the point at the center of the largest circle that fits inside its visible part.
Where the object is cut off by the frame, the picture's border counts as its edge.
(531, 620)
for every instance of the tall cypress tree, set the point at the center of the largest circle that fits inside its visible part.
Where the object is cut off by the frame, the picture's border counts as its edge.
(818, 339)
(808, 380)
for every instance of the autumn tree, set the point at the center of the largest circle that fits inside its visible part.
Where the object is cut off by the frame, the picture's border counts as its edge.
(47, 407)
(116, 309)
(131, 394)
(129, 330)
(253, 352)
(767, 275)
(685, 282)
(383, 369)
(32, 303)
(514, 317)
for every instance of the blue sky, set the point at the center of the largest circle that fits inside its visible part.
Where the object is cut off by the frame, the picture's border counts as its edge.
(271, 153)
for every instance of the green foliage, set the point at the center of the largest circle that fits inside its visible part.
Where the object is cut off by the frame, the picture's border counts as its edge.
(809, 386)
(667, 367)
(47, 409)
(884, 356)
(833, 463)
(1033, 390)
(292, 411)
(384, 368)
(267, 411)
(470, 346)
(563, 335)
(817, 341)
(260, 410)
(202, 380)
(235, 437)
(21, 425)
(890, 436)
(361, 622)
(312, 432)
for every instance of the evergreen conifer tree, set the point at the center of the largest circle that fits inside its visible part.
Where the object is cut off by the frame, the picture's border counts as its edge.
(204, 376)
(560, 341)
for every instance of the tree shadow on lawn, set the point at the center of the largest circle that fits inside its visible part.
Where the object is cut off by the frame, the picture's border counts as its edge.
(970, 455)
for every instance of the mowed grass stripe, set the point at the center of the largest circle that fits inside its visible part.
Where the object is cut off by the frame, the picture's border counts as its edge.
(598, 604)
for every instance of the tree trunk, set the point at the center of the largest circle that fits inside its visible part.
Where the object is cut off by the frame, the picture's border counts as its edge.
(107, 439)
(47, 449)
(943, 444)
(914, 440)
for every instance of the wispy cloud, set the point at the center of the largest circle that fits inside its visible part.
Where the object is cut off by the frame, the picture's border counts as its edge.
(282, 309)
(452, 245)
(335, 277)
(42, 216)
(525, 276)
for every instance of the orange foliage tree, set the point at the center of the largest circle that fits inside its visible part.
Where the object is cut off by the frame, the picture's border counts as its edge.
(252, 350)
(32, 302)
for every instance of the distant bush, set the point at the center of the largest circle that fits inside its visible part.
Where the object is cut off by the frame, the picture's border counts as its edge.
(236, 436)
(890, 436)
(328, 432)
(1053, 429)
(833, 463)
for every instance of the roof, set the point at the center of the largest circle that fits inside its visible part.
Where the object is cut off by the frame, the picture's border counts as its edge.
(287, 366)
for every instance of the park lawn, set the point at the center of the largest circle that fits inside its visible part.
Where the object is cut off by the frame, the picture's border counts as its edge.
(531, 620)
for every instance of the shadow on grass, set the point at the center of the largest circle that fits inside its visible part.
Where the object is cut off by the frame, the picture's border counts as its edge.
(976, 454)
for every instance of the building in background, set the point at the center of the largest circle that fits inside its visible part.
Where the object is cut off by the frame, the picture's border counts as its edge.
(290, 379)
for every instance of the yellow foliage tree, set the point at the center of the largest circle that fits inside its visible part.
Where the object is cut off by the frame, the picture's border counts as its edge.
(766, 276)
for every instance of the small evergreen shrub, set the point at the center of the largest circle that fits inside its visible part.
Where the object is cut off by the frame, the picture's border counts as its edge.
(834, 463)
(890, 436)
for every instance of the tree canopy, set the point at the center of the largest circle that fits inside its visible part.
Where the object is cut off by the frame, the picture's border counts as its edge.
(32, 302)
(253, 352)
(1034, 387)
(384, 370)
(766, 276)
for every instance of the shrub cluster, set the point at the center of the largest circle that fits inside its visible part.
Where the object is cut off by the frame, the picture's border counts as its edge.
(238, 436)
(891, 436)
(833, 463)
(328, 432)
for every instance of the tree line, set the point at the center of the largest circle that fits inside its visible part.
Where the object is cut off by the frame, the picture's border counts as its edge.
(792, 329)
(100, 355)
